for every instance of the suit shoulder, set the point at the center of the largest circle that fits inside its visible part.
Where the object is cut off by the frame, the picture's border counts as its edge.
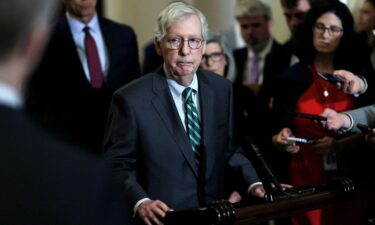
(215, 79)
(141, 84)
(110, 24)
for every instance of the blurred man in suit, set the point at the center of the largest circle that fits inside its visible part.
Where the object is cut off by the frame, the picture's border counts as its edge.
(163, 158)
(43, 181)
(70, 91)
(255, 69)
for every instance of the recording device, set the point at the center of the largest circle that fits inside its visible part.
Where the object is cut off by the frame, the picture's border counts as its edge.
(365, 129)
(300, 140)
(309, 116)
(331, 78)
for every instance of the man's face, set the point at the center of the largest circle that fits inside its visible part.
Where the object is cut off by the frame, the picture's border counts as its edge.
(366, 20)
(256, 31)
(294, 16)
(184, 60)
(83, 10)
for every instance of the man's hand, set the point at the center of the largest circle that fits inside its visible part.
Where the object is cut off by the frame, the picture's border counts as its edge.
(260, 192)
(352, 84)
(335, 120)
(234, 197)
(255, 88)
(151, 211)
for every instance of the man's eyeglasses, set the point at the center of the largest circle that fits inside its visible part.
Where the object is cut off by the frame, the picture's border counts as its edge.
(334, 31)
(215, 56)
(176, 42)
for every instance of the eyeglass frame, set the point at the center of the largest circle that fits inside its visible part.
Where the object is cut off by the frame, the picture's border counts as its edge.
(211, 56)
(183, 40)
(320, 28)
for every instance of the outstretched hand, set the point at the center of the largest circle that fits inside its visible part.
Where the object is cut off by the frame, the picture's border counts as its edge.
(335, 121)
(151, 211)
(352, 84)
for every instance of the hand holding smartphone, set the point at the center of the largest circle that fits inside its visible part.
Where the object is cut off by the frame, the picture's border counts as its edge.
(308, 116)
(300, 140)
(331, 78)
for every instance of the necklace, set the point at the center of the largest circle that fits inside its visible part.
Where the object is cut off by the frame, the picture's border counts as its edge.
(326, 91)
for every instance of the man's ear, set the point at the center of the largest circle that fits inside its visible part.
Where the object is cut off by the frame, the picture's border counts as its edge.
(157, 46)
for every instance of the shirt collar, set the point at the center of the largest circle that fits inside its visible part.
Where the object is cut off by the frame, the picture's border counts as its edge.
(177, 88)
(264, 52)
(77, 26)
(9, 96)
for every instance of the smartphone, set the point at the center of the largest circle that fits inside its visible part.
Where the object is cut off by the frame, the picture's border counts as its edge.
(300, 140)
(365, 129)
(331, 78)
(310, 116)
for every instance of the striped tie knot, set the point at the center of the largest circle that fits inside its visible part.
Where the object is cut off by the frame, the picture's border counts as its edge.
(193, 127)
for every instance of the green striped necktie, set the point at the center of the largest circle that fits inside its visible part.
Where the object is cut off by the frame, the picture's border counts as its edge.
(193, 127)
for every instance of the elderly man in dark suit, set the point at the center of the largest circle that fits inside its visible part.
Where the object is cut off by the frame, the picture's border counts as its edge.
(71, 90)
(163, 158)
(43, 181)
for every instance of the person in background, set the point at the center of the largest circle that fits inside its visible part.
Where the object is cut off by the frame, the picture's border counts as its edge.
(170, 133)
(366, 27)
(44, 181)
(218, 58)
(255, 70)
(87, 58)
(326, 47)
(294, 12)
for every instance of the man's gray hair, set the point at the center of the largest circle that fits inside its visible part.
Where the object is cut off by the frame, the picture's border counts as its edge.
(19, 17)
(178, 11)
(252, 8)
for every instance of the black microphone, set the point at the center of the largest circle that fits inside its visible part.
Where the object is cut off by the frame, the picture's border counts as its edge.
(270, 192)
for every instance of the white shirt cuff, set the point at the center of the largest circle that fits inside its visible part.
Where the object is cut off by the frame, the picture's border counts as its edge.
(365, 86)
(252, 186)
(138, 204)
(345, 130)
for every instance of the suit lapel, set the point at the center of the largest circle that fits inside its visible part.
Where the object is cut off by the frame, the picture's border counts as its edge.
(66, 43)
(206, 99)
(164, 105)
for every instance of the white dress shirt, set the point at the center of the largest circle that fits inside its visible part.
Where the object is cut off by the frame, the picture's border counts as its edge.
(76, 28)
(10, 96)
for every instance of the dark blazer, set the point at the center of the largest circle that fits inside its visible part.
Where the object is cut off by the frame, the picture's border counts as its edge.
(150, 151)
(44, 181)
(61, 97)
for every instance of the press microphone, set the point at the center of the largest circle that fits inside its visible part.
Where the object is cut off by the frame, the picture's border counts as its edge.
(270, 192)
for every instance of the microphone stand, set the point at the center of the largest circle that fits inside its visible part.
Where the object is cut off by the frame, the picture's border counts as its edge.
(277, 191)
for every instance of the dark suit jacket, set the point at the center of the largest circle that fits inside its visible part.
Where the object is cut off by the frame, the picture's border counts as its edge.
(150, 151)
(44, 181)
(61, 97)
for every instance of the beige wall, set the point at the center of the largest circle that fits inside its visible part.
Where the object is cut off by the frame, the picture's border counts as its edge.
(142, 14)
